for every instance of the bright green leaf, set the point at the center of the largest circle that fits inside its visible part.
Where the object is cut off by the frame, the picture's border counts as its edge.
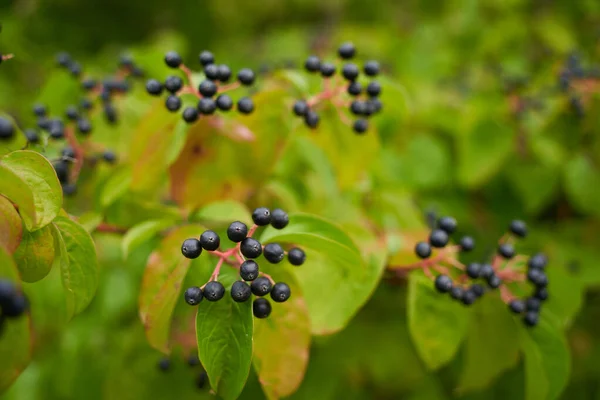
(35, 255)
(115, 187)
(141, 233)
(225, 211)
(581, 184)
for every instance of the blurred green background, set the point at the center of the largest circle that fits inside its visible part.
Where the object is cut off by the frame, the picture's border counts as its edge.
(451, 141)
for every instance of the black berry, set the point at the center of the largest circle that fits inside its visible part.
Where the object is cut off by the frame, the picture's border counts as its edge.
(516, 306)
(477, 289)
(250, 248)
(312, 64)
(237, 231)
(374, 89)
(261, 216)
(173, 59)
(506, 250)
(346, 50)
(164, 364)
(210, 241)
(358, 107)
(541, 294)
(473, 270)
(224, 73)
(86, 104)
(280, 292)
(261, 308)
(279, 218)
(354, 88)
(173, 83)
(206, 106)
(40, 110)
(15, 307)
(296, 256)
(438, 238)
(193, 360)
(423, 250)
(246, 76)
(538, 261)
(300, 108)
(62, 171)
(214, 291)
(360, 126)
(494, 281)
(245, 105)
(190, 114)
(109, 156)
(537, 277)
(32, 135)
(154, 87)
(350, 71)
(201, 380)
(63, 59)
(207, 88)
(191, 248)
(487, 271)
(224, 102)
(7, 129)
(193, 296)
(249, 270)
(456, 292)
(531, 318)
(206, 58)
(443, 283)
(311, 119)
(75, 68)
(240, 291)
(327, 69)
(84, 125)
(261, 286)
(533, 304)
(69, 189)
(447, 224)
(71, 112)
(173, 103)
(274, 253)
(469, 297)
(467, 243)
(371, 68)
(518, 228)
(8, 290)
(211, 71)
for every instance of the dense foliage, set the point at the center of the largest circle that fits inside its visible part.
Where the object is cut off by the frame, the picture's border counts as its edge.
(483, 111)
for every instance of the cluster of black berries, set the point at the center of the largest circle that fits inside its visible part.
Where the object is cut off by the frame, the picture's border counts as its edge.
(106, 88)
(164, 365)
(250, 249)
(573, 70)
(13, 303)
(362, 108)
(207, 90)
(468, 294)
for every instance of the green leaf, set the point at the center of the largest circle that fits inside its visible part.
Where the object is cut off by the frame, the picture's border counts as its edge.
(39, 194)
(490, 337)
(141, 233)
(225, 211)
(536, 185)
(15, 341)
(78, 264)
(437, 325)
(161, 285)
(482, 151)
(547, 359)
(11, 227)
(335, 279)
(581, 184)
(178, 141)
(224, 332)
(282, 342)
(425, 163)
(35, 255)
(115, 187)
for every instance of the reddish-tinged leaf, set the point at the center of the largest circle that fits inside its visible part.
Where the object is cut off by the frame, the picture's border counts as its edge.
(11, 227)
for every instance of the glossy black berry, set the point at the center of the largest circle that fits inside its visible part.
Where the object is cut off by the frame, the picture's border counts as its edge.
(447, 224)
(300, 108)
(533, 304)
(211, 71)
(531, 318)
(164, 364)
(358, 107)
(224, 73)
(250, 248)
(279, 218)
(541, 294)
(207, 88)
(473, 270)
(374, 105)
(518, 228)
(109, 156)
(173, 59)
(57, 131)
(538, 261)
(154, 87)
(191, 248)
(469, 297)
(206, 58)
(274, 253)
(84, 125)
(62, 171)
(296, 256)
(237, 231)
(249, 270)
(360, 126)
(477, 289)
(201, 380)
(69, 189)
(89, 84)
(506, 250)
(467, 243)
(190, 114)
(44, 123)
(312, 64)
(71, 112)
(438, 238)
(371, 68)
(245, 105)
(7, 130)
(31, 135)
(456, 292)
(537, 277)
(8, 291)
(214, 291)
(516, 306)
(350, 71)
(311, 119)
(86, 104)
(16, 306)
(443, 283)
(280, 292)
(68, 153)
(261, 308)
(346, 50)
(193, 360)
(210, 241)
(224, 102)
(75, 68)
(261, 216)
(173, 83)
(246, 76)
(193, 295)
(423, 250)
(261, 286)
(354, 89)
(494, 281)
(207, 106)
(240, 291)
(173, 103)
(327, 69)
(374, 89)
